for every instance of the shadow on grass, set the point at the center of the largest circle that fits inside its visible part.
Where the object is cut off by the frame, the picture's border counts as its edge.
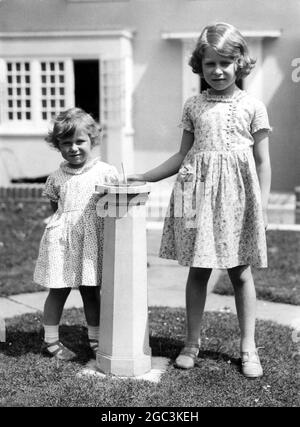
(20, 343)
(170, 348)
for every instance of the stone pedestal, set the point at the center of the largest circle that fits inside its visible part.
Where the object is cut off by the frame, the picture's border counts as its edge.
(124, 336)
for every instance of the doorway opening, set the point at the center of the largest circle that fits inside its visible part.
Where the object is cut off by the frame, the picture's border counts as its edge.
(87, 87)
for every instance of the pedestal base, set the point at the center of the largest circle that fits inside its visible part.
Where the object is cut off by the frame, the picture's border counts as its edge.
(124, 367)
(159, 366)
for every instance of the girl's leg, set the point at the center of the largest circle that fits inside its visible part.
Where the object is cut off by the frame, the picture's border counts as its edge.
(53, 308)
(195, 295)
(91, 303)
(245, 299)
(196, 289)
(54, 305)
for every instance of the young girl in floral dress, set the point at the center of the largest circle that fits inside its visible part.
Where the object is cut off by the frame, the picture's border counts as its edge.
(218, 209)
(70, 254)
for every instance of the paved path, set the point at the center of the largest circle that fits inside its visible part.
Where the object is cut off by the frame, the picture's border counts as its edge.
(284, 314)
(166, 287)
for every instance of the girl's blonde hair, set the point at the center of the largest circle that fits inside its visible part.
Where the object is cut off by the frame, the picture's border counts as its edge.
(227, 41)
(67, 122)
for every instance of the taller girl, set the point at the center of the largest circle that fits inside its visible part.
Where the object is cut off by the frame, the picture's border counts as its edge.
(218, 208)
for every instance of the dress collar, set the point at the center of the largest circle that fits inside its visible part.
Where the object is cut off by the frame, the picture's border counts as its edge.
(77, 171)
(213, 97)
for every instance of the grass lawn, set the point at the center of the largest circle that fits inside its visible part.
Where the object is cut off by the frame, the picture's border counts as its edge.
(21, 227)
(30, 379)
(280, 281)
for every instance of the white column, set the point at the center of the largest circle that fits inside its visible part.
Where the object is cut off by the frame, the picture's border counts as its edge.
(190, 80)
(124, 335)
(116, 89)
(254, 82)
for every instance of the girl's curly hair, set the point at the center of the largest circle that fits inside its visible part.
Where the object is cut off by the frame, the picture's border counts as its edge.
(227, 41)
(67, 122)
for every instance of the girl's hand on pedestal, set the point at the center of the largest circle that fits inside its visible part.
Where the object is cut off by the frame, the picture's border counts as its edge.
(136, 177)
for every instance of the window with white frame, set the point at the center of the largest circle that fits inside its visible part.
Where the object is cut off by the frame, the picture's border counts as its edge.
(53, 91)
(19, 92)
(33, 91)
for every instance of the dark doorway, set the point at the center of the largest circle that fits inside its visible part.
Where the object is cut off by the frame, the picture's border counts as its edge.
(86, 75)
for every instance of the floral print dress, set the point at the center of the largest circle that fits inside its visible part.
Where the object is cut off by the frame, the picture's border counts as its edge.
(71, 247)
(215, 217)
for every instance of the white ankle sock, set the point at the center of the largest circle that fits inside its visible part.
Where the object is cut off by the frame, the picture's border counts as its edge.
(93, 332)
(51, 333)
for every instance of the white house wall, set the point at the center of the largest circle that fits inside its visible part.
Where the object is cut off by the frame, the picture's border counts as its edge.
(158, 68)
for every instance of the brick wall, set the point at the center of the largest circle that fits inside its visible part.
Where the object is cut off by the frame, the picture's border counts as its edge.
(24, 192)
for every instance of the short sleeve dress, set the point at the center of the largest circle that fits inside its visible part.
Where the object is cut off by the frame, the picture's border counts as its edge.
(71, 247)
(215, 217)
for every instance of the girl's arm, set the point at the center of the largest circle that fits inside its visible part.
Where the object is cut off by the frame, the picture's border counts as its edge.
(170, 166)
(263, 167)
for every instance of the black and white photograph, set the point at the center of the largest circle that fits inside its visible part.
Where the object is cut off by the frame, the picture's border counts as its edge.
(149, 207)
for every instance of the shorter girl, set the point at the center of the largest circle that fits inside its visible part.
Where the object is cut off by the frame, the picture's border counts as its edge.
(70, 254)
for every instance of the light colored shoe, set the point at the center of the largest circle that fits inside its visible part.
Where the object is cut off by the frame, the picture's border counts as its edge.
(251, 366)
(187, 356)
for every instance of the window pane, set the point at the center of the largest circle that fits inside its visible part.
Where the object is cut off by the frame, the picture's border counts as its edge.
(18, 93)
(52, 86)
